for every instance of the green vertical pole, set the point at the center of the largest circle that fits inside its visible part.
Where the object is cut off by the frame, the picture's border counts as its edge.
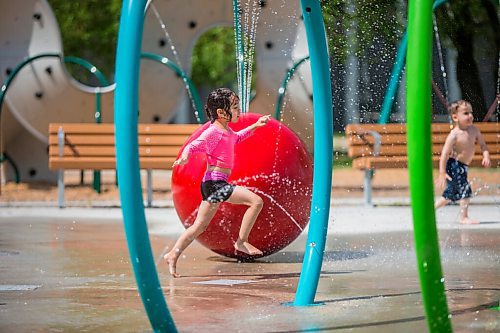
(127, 161)
(419, 71)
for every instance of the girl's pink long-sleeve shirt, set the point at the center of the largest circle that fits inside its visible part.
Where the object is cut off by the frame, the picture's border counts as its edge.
(218, 144)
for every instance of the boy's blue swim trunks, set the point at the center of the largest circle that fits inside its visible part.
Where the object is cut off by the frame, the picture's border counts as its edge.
(458, 187)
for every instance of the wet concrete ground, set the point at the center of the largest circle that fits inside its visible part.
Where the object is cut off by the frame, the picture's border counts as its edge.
(68, 271)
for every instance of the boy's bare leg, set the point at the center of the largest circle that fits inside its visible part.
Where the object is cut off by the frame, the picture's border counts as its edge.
(244, 196)
(441, 202)
(464, 213)
(206, 212)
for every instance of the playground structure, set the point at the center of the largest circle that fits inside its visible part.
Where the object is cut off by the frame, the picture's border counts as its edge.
(43, 92)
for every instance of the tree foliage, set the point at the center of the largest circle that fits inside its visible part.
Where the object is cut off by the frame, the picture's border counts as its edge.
(89, 30)
(373, 19)
(214, 61)
(473, 29)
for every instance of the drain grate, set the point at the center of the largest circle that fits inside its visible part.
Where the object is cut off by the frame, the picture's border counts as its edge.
(224, 282)
(18, 287)
(8, 253)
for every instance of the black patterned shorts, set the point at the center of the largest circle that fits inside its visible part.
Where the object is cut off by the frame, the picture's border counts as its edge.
(216, 190)
(458, 187)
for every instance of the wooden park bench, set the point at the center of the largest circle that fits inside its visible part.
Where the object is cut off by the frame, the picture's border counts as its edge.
(373, 146)
(92, 147)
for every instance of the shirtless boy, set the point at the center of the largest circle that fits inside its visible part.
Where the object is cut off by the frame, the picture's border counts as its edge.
(457, 154)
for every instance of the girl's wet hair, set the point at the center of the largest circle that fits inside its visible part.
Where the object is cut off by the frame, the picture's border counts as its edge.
(219, 99)
(453, 107)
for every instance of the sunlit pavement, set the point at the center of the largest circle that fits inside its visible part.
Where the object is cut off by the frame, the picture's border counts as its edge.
(68, 271)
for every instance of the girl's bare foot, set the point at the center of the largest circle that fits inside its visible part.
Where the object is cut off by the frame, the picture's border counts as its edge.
(467, 220)
(247, 248)
(171, 261)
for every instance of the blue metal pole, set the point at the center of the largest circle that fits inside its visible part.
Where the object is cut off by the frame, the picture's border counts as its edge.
(397, 68)
(323, 152)
(127, 156)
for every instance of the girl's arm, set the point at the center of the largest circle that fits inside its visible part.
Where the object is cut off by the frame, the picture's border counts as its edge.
(246, 132)
(205, 143)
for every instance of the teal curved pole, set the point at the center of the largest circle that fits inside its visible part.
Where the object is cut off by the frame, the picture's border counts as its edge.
(418, 83)
(127, 156)
(397, 69)
(200, 116)
(3, 92)
(100, 77)
(284, 84)
(94, 70)
(98, 110)
(17, 69)
(98, 74)
(323, 153)
(5, 157)
(91, 68)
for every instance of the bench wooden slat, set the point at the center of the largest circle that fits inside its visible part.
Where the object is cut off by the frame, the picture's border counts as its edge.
(353, 129)
(396, 150)
(390, 139)
(380, 162)
(107, 139)
(104, 163)
(393, 139)
(102, 151)
(161, 129)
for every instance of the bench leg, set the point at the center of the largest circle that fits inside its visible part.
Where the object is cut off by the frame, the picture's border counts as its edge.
(97, 181)
(60, 188)
(150, 187)
(368, 187)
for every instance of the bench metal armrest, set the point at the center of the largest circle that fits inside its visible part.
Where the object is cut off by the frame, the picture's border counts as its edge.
(378, 140)
(60, 176)
(60, 141)
(369, 173)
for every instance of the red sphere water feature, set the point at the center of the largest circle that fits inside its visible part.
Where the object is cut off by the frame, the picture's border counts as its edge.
(273, 163)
